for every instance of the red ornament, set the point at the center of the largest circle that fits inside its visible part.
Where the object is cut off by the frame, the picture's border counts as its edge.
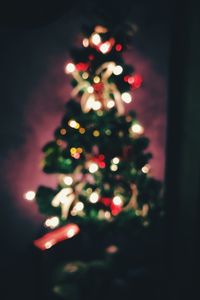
(58, 235)
(106, 201)
(115, 209)
(82, 67)
(99, 160)
(118, 47)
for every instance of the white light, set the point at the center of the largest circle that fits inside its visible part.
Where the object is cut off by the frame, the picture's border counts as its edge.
(107, 215)
(68, 180)
(113, 168)
(30, 195)
(90, 89)
(52, 222)
(117, 70)
(110, 103)
(96, 105)
(104, 48)
(115, 160)
(117, 200)
(48, 245)
(90, 102)
(96, 39)
(137, 128)
(146, 169)
(85, 43)
(126, 97)
(72, 123)
(94, 197)
(70, 68)
(79, 206)
(93, 167)
(70, 232)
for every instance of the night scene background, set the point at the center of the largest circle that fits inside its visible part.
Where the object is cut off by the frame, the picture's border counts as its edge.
(35, 41)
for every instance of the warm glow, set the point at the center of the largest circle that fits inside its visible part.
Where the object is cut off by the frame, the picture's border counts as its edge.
(90, 89)
(114, 168)
(74, 124)
(93, 167)
(146, 169)
(115, 160)
(117, 70)
(137, 128)
(85, 42)
(30, 195)
(117, 200)
(94, 197)
(96, 39)
(68, 180)
(100, 29)
(79, 206)
(110, 103)
(96, 79)
(96, 133)
(126, 97)
(96, 105)
(70, 68)
(52, 222)
(63, 131)
(105, 47)
(107, 215)
(85, 75)
(82, 130)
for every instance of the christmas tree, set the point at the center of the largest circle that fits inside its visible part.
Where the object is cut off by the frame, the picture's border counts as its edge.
(106, 206)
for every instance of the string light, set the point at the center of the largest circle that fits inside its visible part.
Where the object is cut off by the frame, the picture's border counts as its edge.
(74, 124)
(114, 168)
(85, 75)
(93, 167)
(117, 200)
(118, 47)
(115, 160)
(146, 169)
(29, 195)
(68, 180)
(96, 79)
(96, 133)
(105, 47)
(90, 89)
(126, 97)
(85, 42)
(63, 131)
(96, 105)
(82, 130)
(70, 68)
(117, 70)
(137, 128)
(94, 197)
(110, 103)
(52, 222)
(78, 206)
(96, 39)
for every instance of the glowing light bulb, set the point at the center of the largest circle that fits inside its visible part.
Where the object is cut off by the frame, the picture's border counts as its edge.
(52, 222)
(85, 75)
(71, 232)
(30, 195)
(90, 102)
(96, 133)
(79, 206)
(68, 180)
(94, 197)
(93, 167)
(70, 68)
(85, 42)
(96, 105)
(117, 200)
(105, 47)
(137, 128)
(90, 89)
(107, 215)
(63, 131)
(48, 245)
(110, 103)
(126, 97)
(146, 169)
(96, 39)
(115, 160)
(82, 130)
(117, 70)
(96, 79)
(114, 168)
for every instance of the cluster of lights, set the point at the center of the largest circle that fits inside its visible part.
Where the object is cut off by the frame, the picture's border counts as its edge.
(126, 97)
(61, 197)
(29, 195)
(93, 104)
(78, 207)
(74, 124)
(102, 214)
(93, 167)
(52, 222)
(137, 129)
(76, 152)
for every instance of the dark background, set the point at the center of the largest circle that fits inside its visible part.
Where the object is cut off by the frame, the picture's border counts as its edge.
(169, 36)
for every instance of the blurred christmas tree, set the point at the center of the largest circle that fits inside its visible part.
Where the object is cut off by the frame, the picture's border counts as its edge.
(106, 208)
